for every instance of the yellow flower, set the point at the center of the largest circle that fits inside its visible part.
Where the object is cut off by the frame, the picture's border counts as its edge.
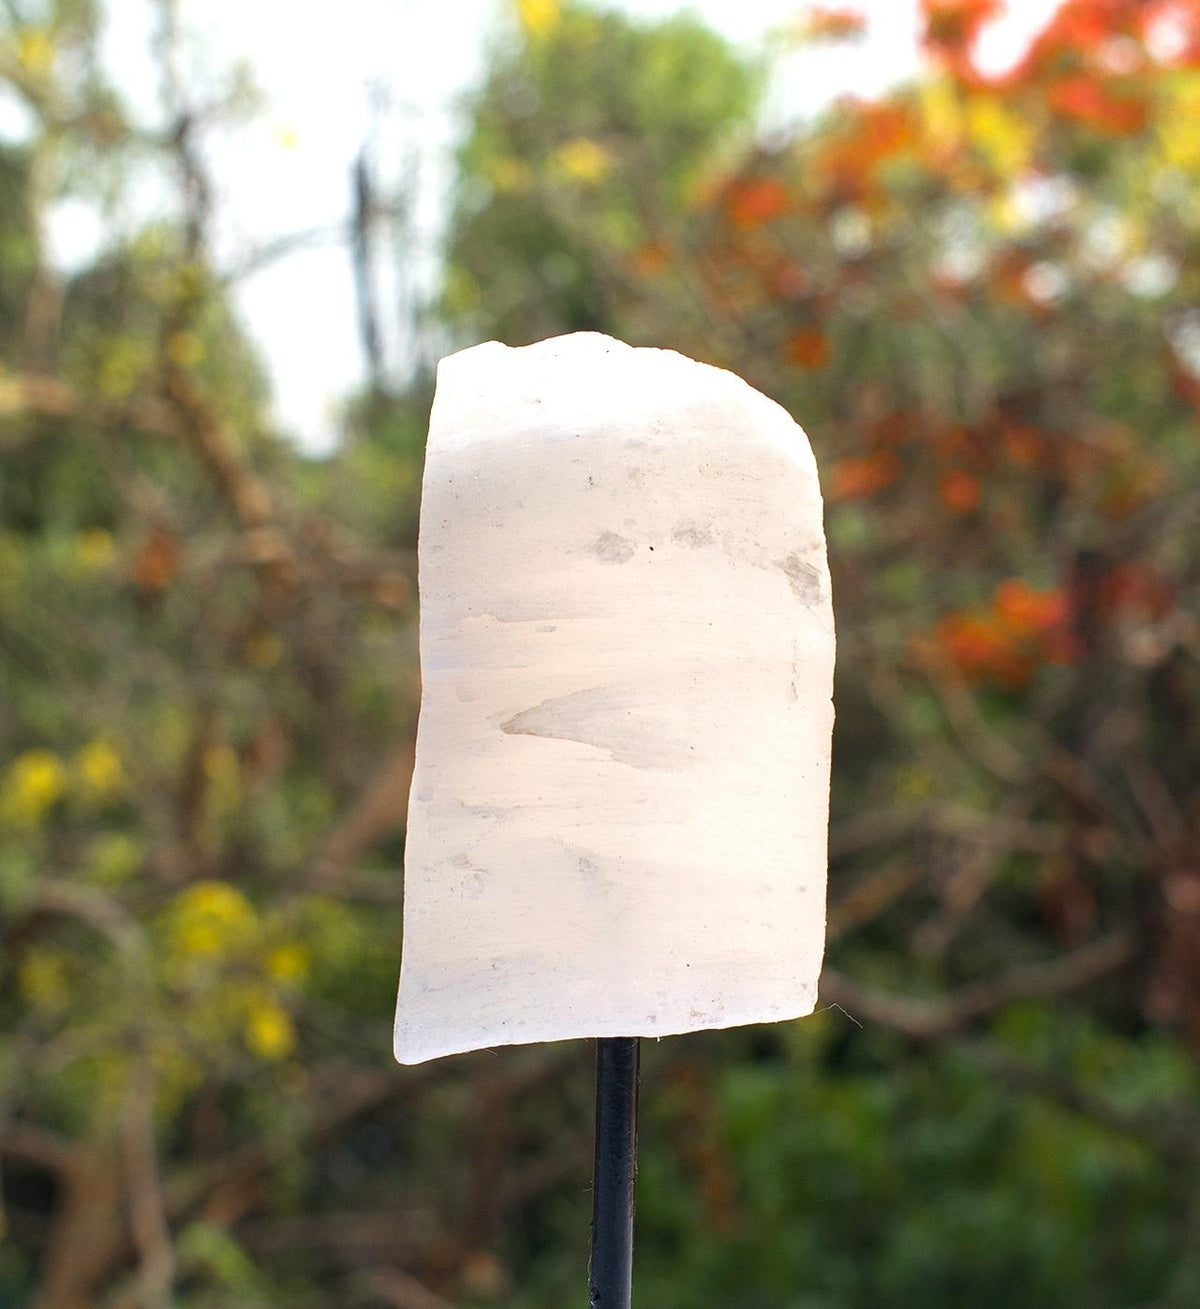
(1006, 213)
(100, 767)
(584, 160)
(1177, 135)
(35, 781)
(1003, 138)
(286, 136)
(211, 918)
(94, 550)
(269, 1032)
(539, 17)
(941, 113)
(508, 175)
(35, 50)
(288, 963)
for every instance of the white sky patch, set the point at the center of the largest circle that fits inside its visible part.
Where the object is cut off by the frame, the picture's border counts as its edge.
(1003, 42)
(16, 118)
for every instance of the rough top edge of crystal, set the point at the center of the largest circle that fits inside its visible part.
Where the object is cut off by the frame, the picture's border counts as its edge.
(489, 388)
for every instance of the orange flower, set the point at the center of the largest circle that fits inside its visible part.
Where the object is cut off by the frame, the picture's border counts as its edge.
(983, 649)
(1082, 33)
(1022, 445)
(866, 475)
(1006, 641)
(1084, 25)
(951, 28)
(1087, 100)
(809, 347)
(959, 491)
(824, 24)
(650, 259)
(154, 566)
(755, 201)
(1027, 611)
(870, 134)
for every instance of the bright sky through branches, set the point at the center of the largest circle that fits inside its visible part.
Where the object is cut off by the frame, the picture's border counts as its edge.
(289, 171)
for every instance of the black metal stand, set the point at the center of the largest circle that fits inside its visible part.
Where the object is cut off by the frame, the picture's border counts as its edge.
(610, 1276)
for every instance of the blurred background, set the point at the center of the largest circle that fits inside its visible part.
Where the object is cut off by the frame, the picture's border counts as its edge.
(962, 245)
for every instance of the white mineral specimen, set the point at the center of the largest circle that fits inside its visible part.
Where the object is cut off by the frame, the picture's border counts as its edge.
(618, 818)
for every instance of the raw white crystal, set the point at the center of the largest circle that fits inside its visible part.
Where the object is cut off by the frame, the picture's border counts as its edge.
(618, 817)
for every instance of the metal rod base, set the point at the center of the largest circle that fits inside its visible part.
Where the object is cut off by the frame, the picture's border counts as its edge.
(610, 1275)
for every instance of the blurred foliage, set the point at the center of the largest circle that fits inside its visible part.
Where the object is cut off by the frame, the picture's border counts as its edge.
(577, 136)
(979, 294)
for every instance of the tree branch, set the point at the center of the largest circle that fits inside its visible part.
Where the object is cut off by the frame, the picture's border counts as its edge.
(929, 1019)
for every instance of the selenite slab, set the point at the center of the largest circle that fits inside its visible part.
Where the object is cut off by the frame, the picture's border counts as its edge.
(619, 811)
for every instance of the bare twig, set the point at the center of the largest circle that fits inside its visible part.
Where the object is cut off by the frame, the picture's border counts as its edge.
(36, 1145)
(147, 1206)
(871, 896)
(929, 1019)
(50, 397)
(379, 808)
